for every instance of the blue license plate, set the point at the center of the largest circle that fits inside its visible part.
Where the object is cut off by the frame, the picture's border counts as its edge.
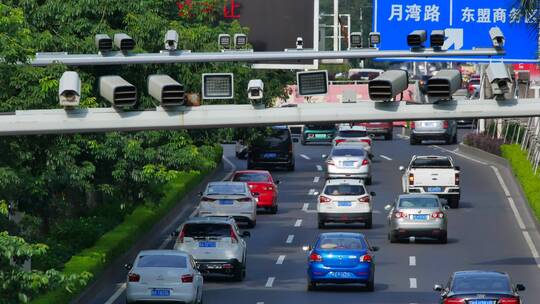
(434, 189)
(207, 244)
(270, 155)
(420, 217)
(481, 302)
(344, 204)
(348, 163)
(226, 202)
(341, 275)
(160, 293)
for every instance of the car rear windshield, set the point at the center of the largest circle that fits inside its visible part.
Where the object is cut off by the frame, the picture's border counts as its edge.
(344, 190)
(481, 284)
(340, 243)
(165, 260)
(226, 189)
(330, 127)
(431, 163)
(352, 133)
(251, 177)
(348, 152)
(418, 202)
(206, 230)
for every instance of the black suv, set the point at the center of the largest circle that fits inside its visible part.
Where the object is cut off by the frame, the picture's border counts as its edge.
(273, 149)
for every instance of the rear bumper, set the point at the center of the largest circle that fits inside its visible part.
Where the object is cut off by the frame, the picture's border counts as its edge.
(431, 135)
(271, 163)
(140, 293)
(239, 217)
(319, 273)
(218, 266)
(447, 193)
(345, 217)
(348, 175)
(378, 131)
(427, 233)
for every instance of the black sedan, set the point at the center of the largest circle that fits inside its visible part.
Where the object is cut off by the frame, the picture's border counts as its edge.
(480, 287)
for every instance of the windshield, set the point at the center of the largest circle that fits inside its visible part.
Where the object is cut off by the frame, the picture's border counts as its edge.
(207, 230)
(226, 189)
(251, 177)
(165, 260)
(418, 202)
(431, 163)
(481, 284)
(348, 152)
(337, 190)
(352, 133)
(340, 243)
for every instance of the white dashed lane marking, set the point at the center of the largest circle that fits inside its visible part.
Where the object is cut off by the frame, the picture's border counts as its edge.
(305, 156)
(280, 260)
(413, 283)
(412, 261)
(298, 223)
(290, 239)
(319, 168)
(270, 282)
(385, 157)
(316, 179)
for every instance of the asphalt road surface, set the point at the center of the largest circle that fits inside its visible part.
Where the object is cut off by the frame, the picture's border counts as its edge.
(485, 233)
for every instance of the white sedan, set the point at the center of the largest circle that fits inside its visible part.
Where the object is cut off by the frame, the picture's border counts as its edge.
(164, 275)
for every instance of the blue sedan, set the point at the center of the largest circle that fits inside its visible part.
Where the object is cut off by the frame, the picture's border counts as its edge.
(340, 258)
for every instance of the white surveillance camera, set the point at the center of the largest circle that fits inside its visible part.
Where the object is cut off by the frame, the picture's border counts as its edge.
(69, 93)
(255, 89)
(500, 80)
(497, 37)
(171, 40)
(299, 43)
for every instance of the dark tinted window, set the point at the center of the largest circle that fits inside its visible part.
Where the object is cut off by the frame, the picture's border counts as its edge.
(251, 177)
(431, 163)
(418, 202)
(206, 230)
(348, 152)
(341, 243)
(481, 284)
(166, 260)
(330, 127)
(226, 189)
(352, 133)
(344, 190)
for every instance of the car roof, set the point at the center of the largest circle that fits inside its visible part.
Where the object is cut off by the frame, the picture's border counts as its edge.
(348, 181)
(350, 145)
(486, 273)
(415, 195)
(210, 220)
(433, 156)
(353, 128)
(342, 234)
(162, 252)
(226, 183)
(252, 171)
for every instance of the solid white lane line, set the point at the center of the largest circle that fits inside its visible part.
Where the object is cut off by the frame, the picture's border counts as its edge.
(298, 223)
(305, 156)
(459, 154)
(116, 294)
(280, 260)
(412, 261)
(311, 192)
(413, 283)
(531, 245)
(385, 157)
(290, 239)
(305, 207)
(165, 242)
(233, 168)
(501, 181)
(269, 282)
(316, 179)
(319, 168)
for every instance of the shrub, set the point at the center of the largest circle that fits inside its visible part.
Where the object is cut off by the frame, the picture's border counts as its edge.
(484, 142)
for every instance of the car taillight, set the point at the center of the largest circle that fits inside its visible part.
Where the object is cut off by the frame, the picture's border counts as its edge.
(324, 199)
(268, 188)
(133, 277)
(181, 236)
(412, 124)
(315, 257)
(367, 141)
(400, 214)
(508, 301)
(330, 162)
(454, 301)
(365, 162)
(437, 215)
(187, 278)
(364, 199)
(445, 124)
(234, 239)
(338, 141)
(456, 179)
(244, 200)
(366, 258)
(207, 199)
(411, 179)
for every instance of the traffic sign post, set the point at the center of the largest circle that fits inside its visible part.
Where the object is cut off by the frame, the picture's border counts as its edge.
(465, 23)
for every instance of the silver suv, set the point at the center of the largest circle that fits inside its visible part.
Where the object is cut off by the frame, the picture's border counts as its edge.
(433, 130)
(216, 244)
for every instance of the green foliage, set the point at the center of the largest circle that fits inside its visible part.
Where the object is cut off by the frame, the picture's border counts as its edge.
(523, 170)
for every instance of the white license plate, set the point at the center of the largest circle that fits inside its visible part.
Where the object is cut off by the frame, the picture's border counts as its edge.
(348, 164)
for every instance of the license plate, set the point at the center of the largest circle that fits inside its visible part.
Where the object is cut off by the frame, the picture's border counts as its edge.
(226, 202)
(344, 204)
(270, 155)
(160, 293)
(481, 302)
(341, 275)
(434, 189)
(320, 135)
(207, 244)
(348, 163)
(430, 124)
(419, 217)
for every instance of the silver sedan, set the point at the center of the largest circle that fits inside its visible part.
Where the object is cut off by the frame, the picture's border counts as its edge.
(348, 161)
(164, 275)
(417, 215)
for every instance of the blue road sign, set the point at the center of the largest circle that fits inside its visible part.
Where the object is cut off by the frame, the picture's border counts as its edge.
(466, 24)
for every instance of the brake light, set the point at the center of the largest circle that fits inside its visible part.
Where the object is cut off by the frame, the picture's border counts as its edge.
(181, 236)
(338, 141)
(133, 277)
(207, 199)
(244, 200)
(187, 278)
(367, 141)
(366, 258)
(454, 301)
(509, 301)
(411, 179)
(269, 188)
(365, 162)
(324, 199)
(364, 199)
(412, 124)
(437, 215)
(456, 179)
(400, 214)
(330, 162)
(445, 124)
(234, 239)
(315, 257)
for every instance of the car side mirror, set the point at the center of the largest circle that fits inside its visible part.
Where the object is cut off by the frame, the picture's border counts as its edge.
(246, 234)
(401, 168)
(437, 287)
(295, 140)
(374, 248)
(316, 193)
(175, 233)
(324, 156)
(256, 194)
(387, 207)
(446, 207)
(373, 193)
(307, 248)
(200, 194)
(277, 182)
(520, 287)
(457, 168)
(128, 266)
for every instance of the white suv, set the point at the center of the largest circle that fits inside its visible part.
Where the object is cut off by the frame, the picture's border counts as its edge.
(345, 200)
(216, 244)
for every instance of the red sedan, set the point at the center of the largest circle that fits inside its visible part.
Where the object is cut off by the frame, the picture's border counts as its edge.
(261, 182)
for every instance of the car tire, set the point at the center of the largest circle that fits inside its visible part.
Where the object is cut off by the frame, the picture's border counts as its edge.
(393, 237)
(302, 142)
(389, 136)
(413, 141)
(370, 285)
(311, 286)
(368, 181)
(453, 203)
(252, 224)
(274, 209)
(321, 224)
(454, 139)
(290, 167)
(240, 273)
(369, 223)
(237, 155)
(443, 239)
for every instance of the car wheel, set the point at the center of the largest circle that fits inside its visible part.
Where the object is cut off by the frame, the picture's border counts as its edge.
(370, 286)
(274, 209)
(389, 136)
(368, 181)
(237, 155)
(302, 142)
(311, 286)
(443, 239)
(239, 274)
(252, 224)
(453, 203)
(454, 139)
(369, 223)
(291, 167)
(321, 224)
(393, 237)
(413, 141)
